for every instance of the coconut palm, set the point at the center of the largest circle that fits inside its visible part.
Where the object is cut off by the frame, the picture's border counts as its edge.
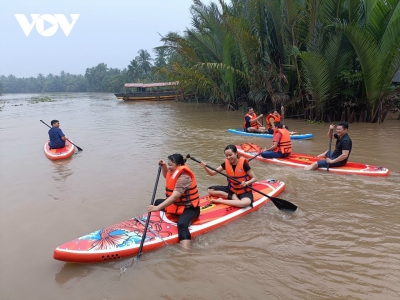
(143, 60)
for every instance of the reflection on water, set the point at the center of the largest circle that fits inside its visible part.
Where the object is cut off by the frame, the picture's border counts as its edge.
(61, 169)
(73, 271)
(342, 243)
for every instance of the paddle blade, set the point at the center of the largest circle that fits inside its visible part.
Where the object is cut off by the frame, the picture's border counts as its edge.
(284, 205)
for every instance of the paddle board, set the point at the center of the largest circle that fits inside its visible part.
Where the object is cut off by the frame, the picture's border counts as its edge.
(301, 160)
(62, 153)
(240, 131)
(123, 239)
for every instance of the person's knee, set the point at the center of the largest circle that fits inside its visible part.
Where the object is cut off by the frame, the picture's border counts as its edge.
(211, 192)
(245, 202)
(265, 154)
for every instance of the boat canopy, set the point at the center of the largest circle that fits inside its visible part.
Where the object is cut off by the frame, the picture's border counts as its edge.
(146, 85)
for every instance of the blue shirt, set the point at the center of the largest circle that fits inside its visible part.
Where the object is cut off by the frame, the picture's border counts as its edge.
(55, 135)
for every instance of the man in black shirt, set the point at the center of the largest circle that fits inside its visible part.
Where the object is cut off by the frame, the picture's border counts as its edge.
(339, 157)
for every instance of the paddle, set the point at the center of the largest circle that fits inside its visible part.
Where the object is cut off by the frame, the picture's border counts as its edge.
(279, 203)
(79, 148)
(149, 214)
(330, 147)
(283, 114)
(254, 156)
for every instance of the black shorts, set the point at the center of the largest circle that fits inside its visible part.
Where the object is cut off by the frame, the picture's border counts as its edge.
(225, 188)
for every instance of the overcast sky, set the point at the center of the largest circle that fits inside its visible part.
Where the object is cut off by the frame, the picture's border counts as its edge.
(106, 31)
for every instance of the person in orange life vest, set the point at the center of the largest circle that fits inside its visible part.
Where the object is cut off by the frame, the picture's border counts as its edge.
(182, 196)
(281, 143)
(339, 157)
(238, 194)
(251, 123)
(270, 120)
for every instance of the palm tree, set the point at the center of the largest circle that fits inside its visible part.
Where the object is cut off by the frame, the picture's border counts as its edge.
(143, 60)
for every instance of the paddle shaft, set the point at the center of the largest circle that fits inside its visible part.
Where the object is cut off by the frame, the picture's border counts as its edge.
(79, 148)
(279, 203)
(329, 151)
(149, 214)
(254, 156)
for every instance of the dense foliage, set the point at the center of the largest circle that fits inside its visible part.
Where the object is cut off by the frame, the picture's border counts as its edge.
(322, 59)
(96, 79)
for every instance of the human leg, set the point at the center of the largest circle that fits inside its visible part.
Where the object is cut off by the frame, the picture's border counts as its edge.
(185, 219)
(241, 200)
(313, 166)
(322, 164)
(271, 154)
(218, 191)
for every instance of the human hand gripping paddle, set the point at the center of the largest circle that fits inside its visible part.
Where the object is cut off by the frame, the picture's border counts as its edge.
(330, 147)
(149, 214)
(79, 148)
(279, 203)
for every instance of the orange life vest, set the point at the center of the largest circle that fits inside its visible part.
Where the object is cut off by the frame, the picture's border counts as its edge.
(277, 118)
(189, 198)
(239, 174)
(269, 125)
(253, 121)
(250, 147)
(285, 144)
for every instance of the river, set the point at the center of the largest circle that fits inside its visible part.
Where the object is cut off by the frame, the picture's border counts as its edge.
(342, 243)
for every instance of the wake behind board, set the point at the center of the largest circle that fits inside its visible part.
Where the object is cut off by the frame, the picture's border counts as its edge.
(240, 131)
(123, 239)
(301, 160)
(61, 153)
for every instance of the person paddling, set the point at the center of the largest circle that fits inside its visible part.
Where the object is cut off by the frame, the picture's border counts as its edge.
(339, 157)
(238, 194)
(56, 136)
(182, 196)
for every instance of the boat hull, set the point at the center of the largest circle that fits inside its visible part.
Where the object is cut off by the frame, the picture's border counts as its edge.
(147, 96)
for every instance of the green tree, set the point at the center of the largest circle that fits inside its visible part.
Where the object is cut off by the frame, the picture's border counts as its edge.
(143, 61)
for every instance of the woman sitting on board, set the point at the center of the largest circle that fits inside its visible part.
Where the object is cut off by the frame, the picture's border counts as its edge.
(281, 143)
(182, 196)
(238, 194)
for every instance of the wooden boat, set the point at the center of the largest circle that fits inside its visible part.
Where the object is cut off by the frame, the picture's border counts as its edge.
(160, 91)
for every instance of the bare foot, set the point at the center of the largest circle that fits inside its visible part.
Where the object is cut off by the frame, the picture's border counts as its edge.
(185, 244)
(212, 200)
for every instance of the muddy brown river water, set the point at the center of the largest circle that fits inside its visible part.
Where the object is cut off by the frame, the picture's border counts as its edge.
(342, 243)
